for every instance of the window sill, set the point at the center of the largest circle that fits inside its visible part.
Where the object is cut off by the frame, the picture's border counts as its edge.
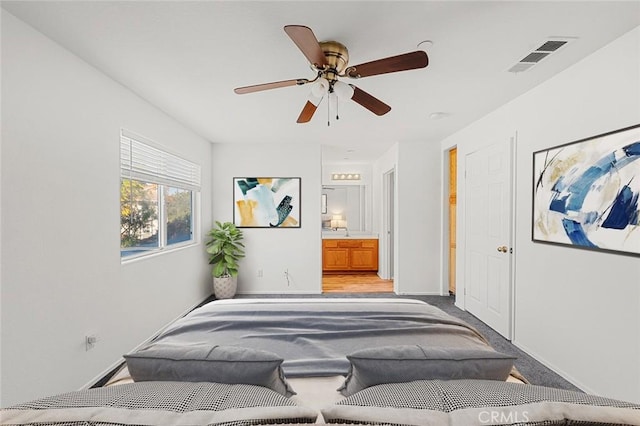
(157, 252)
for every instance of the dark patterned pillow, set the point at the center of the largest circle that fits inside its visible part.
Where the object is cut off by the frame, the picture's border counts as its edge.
(478, 402)
(154, 403)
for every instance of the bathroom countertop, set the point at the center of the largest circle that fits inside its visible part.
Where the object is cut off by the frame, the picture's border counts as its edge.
(338, 235)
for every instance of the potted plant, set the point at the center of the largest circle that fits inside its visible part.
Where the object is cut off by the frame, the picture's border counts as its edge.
(225, 250)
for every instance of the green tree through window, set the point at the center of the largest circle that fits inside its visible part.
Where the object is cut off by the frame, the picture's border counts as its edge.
(138, 214)
(178, 204)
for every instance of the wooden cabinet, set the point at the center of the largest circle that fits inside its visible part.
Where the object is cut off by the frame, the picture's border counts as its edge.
(334, 258)
(349, 255)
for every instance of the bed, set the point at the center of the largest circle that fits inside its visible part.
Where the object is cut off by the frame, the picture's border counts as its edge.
(309, 360)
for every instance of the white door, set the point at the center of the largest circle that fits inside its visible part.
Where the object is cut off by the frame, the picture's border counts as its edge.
(488, 252)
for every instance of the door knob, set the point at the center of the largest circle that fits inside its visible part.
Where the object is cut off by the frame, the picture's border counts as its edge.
(503, 249)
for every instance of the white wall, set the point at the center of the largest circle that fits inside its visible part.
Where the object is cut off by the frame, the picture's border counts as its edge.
(577, 311)
(61, 273)
(274, 251)
(418, 218)
(417, 253)
(386, 163)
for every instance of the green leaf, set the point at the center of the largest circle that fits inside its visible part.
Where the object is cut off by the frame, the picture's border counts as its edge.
(225, 248)
(219, 270)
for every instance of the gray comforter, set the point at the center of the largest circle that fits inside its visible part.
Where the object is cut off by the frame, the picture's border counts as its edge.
(313, 336)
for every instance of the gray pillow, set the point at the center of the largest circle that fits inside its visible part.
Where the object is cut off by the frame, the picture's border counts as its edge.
(208, 363)
(399, 364)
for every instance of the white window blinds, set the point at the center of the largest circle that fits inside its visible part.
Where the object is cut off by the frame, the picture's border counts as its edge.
(141, 161)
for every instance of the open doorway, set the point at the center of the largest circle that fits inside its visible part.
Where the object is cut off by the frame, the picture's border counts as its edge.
(354, 260)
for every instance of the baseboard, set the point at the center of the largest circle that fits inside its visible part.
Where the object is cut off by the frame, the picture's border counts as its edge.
(313, 293)
(253, 293)
(554, 368)
(109, 371)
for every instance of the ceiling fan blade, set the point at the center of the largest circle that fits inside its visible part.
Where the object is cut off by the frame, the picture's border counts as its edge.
(371, 103)
(307, 42)
(268, 86)
(404, 62)
(307, 112)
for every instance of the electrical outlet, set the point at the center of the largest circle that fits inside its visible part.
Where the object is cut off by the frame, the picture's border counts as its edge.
(259, 273)
(90, 341)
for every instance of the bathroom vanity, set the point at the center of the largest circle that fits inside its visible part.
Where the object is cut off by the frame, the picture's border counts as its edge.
(342, 254)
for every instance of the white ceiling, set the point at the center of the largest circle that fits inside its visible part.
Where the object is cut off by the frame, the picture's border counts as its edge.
(187, 56)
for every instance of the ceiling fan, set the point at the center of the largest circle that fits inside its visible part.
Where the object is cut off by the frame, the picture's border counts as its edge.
(329, 59)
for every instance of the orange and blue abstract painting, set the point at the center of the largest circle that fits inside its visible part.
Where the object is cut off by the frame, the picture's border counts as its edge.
(266, 202)
(586, 193)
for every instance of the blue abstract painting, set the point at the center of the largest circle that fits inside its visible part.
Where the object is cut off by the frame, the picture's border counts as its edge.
(586, 193)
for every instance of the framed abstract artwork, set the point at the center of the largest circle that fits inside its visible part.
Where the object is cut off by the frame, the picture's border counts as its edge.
(585, 193)
(266, 202)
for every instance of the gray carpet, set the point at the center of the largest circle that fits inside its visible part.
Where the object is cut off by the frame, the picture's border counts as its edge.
(534, 371)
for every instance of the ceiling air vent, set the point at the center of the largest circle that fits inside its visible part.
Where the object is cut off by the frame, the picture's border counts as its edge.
(551, 45)
(535, 57)
(545, 49)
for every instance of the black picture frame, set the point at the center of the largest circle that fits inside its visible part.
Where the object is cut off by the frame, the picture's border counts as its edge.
(586, 193)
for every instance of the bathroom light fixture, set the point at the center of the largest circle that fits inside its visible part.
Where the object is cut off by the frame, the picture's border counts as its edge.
(336, 221)
(345, 176)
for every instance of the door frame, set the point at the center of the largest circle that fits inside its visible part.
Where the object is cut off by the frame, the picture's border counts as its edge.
(388, 223)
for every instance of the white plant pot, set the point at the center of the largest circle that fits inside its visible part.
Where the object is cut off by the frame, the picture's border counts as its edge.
(225, 287)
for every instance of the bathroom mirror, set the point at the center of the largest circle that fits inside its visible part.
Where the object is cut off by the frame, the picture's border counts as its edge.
(345, 208)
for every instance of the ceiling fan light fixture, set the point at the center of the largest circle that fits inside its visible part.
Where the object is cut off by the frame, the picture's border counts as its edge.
(320, 88)
(342, 90)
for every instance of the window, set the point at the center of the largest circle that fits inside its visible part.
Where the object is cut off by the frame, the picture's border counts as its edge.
(158, 195)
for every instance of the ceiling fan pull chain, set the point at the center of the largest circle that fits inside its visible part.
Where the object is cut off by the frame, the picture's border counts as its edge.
(328, 109)
(337, 108)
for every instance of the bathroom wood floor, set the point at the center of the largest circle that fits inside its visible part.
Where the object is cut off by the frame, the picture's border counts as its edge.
(355, 283)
